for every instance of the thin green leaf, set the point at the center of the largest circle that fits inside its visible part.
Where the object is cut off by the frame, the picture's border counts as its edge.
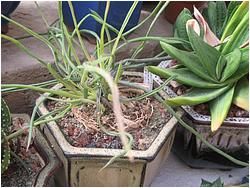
(196, 96)
(207, 54)
(83, 47)
(65, 83)
(219, 108)
(23, 48)
(148, 94)
(241, 95)
(119, 73)
(184, 76)
(188, 59)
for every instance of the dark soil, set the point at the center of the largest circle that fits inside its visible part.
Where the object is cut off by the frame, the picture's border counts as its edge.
(203, 109)
(17, 175)
(144, 120)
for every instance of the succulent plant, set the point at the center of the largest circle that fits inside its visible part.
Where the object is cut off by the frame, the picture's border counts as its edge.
(5, 129)
(216, 75)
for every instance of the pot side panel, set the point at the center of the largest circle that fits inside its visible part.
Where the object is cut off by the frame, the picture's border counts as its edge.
(84, 172)
(153, 167)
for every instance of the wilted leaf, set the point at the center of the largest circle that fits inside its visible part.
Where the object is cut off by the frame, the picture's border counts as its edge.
(209, 36)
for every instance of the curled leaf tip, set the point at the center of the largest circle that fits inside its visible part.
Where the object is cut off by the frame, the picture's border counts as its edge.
(192, 23)
(209, 36)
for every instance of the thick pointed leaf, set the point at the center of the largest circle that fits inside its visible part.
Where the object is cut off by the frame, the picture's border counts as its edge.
(188, 59)
(220, 66)
(238, 37)
(207, 54)
(211, 11)
(244, 54)
(234, 21)
(216, 14)
(196, 96)
(241, 71)
(180, 26)
(232, 7)
(184, 76)
(219, 108)
(233, 63)
(241, 94)
(221, 17)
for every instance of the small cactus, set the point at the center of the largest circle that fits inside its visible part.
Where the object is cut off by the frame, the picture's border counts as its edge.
(5, 130)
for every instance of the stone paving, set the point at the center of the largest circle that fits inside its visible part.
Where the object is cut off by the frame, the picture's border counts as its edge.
(17, 67)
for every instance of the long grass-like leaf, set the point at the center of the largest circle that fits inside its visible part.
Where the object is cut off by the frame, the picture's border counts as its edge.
(83, 47)
(125, 22)
(23, 48)
(141, 46)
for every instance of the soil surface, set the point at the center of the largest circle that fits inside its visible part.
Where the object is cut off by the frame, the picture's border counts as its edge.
(143, 119)
(18, 174)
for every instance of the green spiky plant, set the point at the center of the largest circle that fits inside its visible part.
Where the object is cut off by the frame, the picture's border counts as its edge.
(87, 80)
(216, 75)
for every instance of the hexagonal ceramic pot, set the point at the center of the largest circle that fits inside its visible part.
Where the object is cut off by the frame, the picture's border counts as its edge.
(232, 136)
(81, 165)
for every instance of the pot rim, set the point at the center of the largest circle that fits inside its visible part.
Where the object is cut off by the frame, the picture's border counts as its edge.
(52, 163)
(71, 151)
(46, 154)
(197, 117)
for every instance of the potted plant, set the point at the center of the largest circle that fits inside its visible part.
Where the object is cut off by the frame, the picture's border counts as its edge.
(212, 77)
(90, 125)
(90, 89)
(34, 167)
